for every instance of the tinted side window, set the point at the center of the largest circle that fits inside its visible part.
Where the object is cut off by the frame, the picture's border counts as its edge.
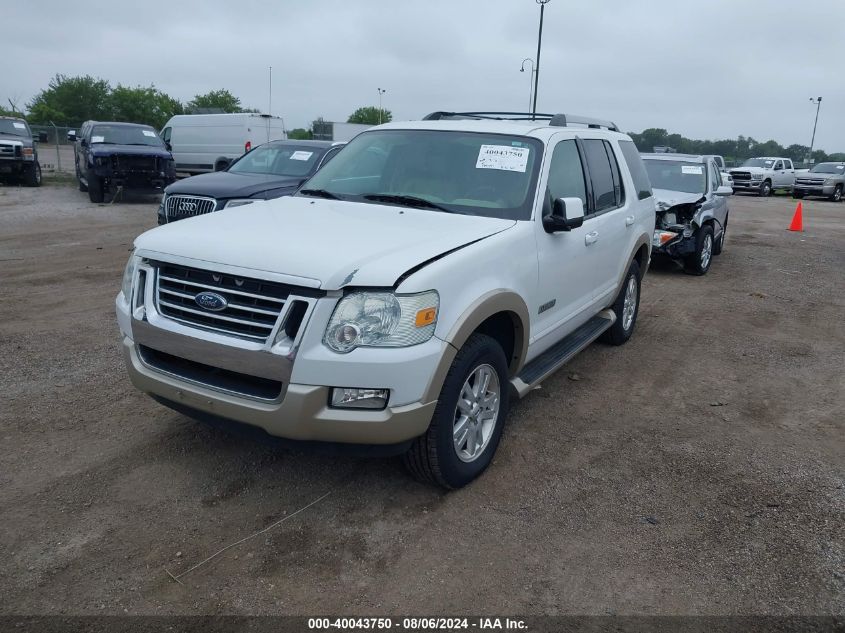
(637, 169)
(617, 177)
(788, 164)
(778, 165)
(601, 175)
(566, 175)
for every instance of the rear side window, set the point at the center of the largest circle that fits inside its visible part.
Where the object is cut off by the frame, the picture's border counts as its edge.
(566, 175)
(637, 169)
(604, 175)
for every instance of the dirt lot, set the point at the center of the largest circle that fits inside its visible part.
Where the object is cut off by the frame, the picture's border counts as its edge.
(699, 469)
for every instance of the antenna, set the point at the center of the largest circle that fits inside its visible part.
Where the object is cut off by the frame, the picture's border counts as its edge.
(270, 105)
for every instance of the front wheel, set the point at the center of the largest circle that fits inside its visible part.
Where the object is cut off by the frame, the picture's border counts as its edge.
(626, 307)
(837, 194)
(797, 195)
(95, 187)
(467, 423)
(719, 245)
(698, 263)
(766, 189)
(33, 176)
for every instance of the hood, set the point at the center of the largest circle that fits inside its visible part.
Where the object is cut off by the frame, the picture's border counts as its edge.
(15, 140)
(222, 184)
(666, 199)
(750, 170)
(319, 243)
(107, 149)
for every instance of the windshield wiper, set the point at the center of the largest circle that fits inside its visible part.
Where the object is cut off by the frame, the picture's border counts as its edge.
(406, 201)
(319, 193)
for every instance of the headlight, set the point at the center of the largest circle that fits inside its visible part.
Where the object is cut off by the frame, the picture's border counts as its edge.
(830, 181)
(28, 153)
(382, 319)
(129, 275)
(756, 176)
(239, 202)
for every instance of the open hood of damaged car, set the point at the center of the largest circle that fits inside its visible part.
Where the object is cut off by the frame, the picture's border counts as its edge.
(665, 199)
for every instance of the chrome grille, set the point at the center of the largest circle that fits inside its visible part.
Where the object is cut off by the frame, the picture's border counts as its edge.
(741, 175)
(178, 207)
(253, 305)
(809, 181)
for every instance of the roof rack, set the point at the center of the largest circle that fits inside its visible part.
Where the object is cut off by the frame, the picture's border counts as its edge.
(557, 120)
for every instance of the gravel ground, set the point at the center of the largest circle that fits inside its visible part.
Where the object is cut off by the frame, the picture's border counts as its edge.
(700, 469)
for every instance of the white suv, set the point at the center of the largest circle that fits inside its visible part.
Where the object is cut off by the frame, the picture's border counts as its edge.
(430, 272)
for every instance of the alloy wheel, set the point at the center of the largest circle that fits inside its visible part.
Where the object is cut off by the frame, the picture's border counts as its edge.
(477, 413)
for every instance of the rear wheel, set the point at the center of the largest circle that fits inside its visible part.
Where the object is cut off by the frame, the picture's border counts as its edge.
(698, 263)
(33, 176)
(837, 194)
(626, 307)
(467, 423)
(95, 187)
(766, 189)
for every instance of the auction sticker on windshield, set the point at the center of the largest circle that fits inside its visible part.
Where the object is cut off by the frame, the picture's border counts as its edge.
(502, 157)
(19, 125)
(301, 155)
(692, 169)
(98, 139)
(149, 133)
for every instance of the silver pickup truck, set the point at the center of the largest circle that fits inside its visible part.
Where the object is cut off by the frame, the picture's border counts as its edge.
(763, 175)
(825, 179)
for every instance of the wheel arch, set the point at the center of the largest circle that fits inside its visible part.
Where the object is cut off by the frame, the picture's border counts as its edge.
(500, 314)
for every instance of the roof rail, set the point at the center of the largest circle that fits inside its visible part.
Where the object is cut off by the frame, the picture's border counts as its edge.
(557, 120)
(495, 116)
(564, 120)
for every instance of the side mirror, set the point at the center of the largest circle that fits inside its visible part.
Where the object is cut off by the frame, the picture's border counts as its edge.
(83, 142)
(221, 164)
(567, 214)
(723, 190)
(71, 136)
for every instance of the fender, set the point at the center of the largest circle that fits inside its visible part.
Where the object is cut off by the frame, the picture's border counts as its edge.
(485, 306)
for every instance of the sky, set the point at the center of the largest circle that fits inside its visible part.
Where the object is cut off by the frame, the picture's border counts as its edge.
(702, 68)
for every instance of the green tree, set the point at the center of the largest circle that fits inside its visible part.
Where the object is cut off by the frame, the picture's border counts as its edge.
(71, 100)
(300, 134)
(370, 115)
(220, 99)
(143, 105)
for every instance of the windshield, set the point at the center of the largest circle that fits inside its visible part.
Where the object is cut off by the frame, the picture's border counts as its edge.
(828, 168)
(677, 175)
(14, 128)
(125, 135)
(279, 160)
(470, 173)
(759, 162)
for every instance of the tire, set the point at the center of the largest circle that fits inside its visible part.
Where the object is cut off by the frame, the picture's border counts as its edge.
(434, 456)
(797, 195)
(719, 245)
(33, 176)
(626, 314)
(837, 194)
(699, 262)
(765, 189)
(95, 187)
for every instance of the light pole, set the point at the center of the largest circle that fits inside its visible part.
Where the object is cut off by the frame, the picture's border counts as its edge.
(380, 111)
(531, 79)
(542, 4)
(818, 104)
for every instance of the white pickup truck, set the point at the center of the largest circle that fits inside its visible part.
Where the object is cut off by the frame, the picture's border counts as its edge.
(764, 175)
(429, 273)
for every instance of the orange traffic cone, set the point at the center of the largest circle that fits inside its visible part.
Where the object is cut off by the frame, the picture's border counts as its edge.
(797, 219)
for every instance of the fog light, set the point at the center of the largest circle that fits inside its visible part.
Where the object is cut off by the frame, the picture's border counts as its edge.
(359, 398)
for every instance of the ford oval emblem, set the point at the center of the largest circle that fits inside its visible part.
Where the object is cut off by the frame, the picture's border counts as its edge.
(211, 301)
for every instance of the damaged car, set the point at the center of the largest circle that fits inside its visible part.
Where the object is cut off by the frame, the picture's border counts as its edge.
(692, 209)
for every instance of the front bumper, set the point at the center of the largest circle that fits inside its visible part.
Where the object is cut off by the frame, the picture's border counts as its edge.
(747, 185)
(815, 190)
(303, 414)
(15, 167)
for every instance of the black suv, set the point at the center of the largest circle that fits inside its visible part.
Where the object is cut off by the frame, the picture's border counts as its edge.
(272, 170)
(18, 152)
(113, 155)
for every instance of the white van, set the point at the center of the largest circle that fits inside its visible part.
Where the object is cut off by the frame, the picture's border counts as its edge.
(205, 142)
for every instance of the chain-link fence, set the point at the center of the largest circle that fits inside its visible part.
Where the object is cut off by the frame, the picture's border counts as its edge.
(54, 135)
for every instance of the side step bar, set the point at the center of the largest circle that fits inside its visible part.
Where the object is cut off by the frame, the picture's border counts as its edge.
(561, 353)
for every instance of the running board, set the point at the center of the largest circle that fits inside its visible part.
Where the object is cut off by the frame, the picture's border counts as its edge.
(561, 353)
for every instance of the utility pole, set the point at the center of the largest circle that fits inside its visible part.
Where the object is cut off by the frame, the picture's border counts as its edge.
(542, 4)
(818, 103)
(380, 111)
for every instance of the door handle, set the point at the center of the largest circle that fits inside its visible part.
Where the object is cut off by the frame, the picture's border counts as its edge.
(629, 220)
(591, 238)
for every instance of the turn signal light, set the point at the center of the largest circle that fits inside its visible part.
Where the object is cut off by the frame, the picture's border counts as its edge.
(662, 237)
(426, 316)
